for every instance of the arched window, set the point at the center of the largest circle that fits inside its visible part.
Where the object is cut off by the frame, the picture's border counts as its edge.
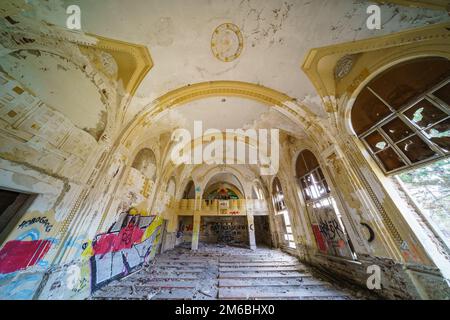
(282, 213)
(403, 115)
(325, 220)
(403, 118)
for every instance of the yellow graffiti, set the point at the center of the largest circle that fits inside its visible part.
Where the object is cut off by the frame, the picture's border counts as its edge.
(88, 251)
(152, 227)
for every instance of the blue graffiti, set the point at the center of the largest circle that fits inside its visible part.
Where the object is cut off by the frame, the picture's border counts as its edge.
(33, 234)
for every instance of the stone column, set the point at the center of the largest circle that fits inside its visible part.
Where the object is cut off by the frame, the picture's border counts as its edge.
(251, 231)
(195, 231)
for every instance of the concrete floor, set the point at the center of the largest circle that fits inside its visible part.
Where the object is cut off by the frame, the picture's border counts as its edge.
(223, 272)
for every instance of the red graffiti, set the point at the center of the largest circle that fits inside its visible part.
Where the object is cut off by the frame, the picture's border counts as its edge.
(319, 239)
(113, 242)
(17, 254)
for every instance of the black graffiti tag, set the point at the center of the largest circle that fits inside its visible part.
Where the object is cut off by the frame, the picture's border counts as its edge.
(331, 229)
(42, 220)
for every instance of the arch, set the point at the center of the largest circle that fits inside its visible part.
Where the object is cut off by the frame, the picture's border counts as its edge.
(288, 106)
(223, 191)
(385, 63)
(258, 191)
(189, 190)
(394, 115)
(224, 177)
(240, 174)
(145, 162)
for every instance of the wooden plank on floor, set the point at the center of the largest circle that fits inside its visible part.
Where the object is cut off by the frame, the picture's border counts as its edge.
(182, 269)
(259, 269)
(168, 284)
(156, 270)
(305, 282)
(175, 294)
(276, 292)
(170, 277)
(258, 264)
(188, 261)
(243, 261)
(184, 263)
(259, 275)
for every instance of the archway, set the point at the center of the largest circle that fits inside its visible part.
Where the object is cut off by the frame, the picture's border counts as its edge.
(402, 117)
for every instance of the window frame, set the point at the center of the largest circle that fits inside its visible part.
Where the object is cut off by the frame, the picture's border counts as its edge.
(326, 197)
(416, 130)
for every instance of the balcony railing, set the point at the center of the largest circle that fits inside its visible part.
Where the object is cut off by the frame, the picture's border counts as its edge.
(220, 207)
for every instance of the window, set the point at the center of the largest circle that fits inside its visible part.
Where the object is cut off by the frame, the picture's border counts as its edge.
(403, 115)
(280, 207)
(325, 220)
(403, 118)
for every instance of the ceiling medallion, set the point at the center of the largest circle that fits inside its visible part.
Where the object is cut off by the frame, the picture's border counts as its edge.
(227, 42)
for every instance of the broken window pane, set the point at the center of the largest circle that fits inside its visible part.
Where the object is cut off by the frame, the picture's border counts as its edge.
(376, 141)
(406, 81)
(424, 114)
(367, 111)
(416, 149)
(396, 129)
(440, 134)
(444, 93)
(390, 159)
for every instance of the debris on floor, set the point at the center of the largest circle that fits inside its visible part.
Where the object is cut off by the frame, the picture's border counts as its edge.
(223, 272)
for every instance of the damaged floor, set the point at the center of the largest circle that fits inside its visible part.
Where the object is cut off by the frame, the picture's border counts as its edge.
(223, 272)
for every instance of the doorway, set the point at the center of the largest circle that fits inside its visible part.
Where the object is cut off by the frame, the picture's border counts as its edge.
(12, 207)
(263, 236)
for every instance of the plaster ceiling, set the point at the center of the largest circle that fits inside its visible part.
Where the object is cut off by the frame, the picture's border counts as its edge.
(276, 36)
(221, 112)
(60, 85)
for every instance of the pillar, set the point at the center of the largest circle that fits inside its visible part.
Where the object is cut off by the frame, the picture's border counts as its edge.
(251, 231)
(195, 231)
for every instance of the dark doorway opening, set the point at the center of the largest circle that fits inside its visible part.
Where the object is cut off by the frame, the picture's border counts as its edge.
(12, 207)
(262, 231)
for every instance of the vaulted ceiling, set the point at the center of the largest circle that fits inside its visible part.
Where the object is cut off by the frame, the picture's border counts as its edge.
(276, 36)
(259, 42)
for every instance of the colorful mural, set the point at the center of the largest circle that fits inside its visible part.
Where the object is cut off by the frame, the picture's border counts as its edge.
(17, 255)
(24, 256)
(129, 243)
(119, 252)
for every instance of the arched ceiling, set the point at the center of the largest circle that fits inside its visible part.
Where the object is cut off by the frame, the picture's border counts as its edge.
(276, 35)
(225, 177)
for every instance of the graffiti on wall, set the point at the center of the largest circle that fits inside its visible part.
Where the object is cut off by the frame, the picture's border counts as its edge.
(128, 244)
(28, 244)
(124, 248)
(329, 233)
(23, 257)
(228, 230)
(185, 229)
